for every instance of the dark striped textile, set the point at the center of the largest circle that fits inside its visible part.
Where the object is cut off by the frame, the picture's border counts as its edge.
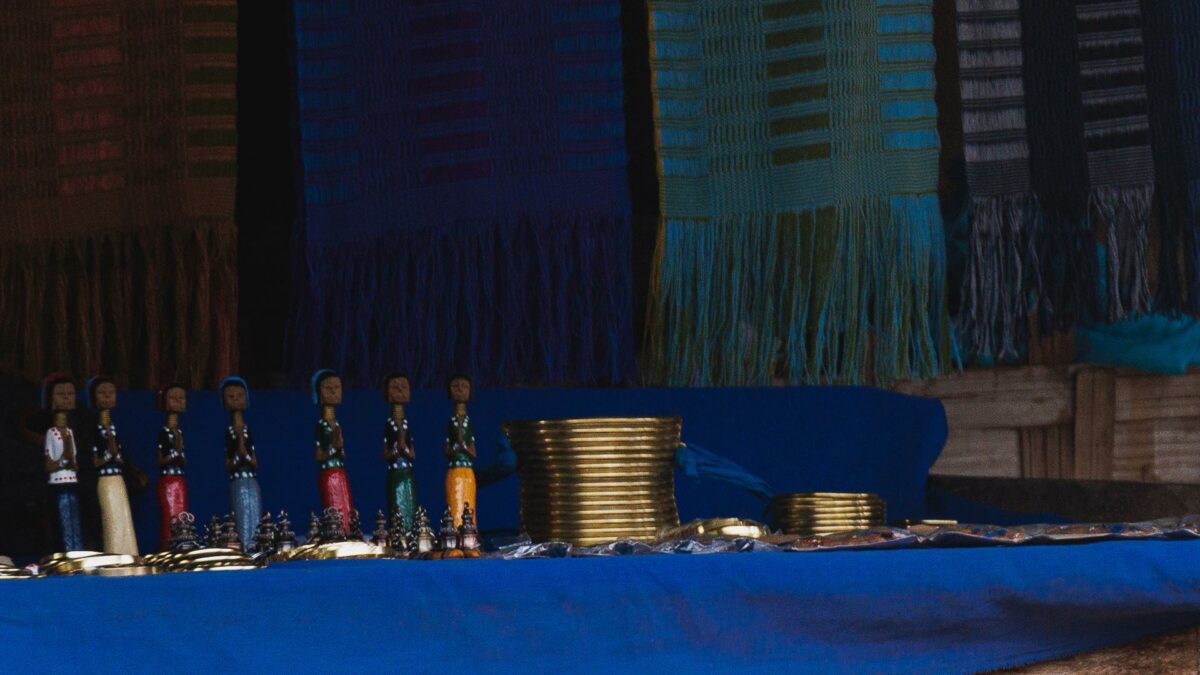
(1112, 72)
(118, 249)
(1060, 155)
(1173, 64)
(997, 152)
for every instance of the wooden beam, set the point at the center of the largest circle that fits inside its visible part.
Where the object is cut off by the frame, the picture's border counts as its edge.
(1034, 396)
(1149, 397)
(980, 452)
(1095, 407)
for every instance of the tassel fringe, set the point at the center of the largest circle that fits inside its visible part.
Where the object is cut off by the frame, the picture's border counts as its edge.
(839, 295)
(147, 307)
(518, 302)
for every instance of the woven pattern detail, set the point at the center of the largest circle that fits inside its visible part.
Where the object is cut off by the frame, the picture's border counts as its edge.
(1074, 117)
(466, 203)
(797, 149)
(118, 248)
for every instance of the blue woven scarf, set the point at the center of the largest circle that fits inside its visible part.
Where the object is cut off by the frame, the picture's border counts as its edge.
(466, 205)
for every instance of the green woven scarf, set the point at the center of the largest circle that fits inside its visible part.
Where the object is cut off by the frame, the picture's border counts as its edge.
(801, 238)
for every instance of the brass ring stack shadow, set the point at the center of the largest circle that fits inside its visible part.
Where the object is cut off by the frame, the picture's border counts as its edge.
(595, 480)
(810, 513)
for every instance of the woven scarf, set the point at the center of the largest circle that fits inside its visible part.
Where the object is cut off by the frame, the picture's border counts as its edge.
(466, 204)
(1173, 65)
(1060, 153)
(801, 238)
(117, 239)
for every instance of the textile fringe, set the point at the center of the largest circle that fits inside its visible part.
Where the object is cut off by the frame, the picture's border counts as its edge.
(844, 294)
(1002, 271)
(147, 306)
(450, 299)
(1124, 213)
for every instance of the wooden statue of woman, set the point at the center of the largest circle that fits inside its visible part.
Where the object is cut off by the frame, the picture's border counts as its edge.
(58, 396)
(398, 452)
(330, 445)
(109, 458)
(241, 461)
(460, 450)
(172, 462)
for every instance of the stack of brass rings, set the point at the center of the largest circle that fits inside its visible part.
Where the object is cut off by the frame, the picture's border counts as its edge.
(595, 480)
(810, 513)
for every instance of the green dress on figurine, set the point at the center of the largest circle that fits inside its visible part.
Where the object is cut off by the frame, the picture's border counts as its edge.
(398, 451)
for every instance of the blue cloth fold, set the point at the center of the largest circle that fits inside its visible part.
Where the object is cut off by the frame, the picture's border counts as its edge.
(901, 611)
(697, 463)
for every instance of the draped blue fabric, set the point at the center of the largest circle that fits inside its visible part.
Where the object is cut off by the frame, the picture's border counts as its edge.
(466, 205)
(899, 611)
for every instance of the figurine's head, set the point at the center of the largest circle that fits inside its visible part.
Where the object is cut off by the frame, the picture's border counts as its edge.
(326, 387)
(396, 389)
(58, 393)
(172, 399)
(101, 393)
(459, 388)
(235, 395)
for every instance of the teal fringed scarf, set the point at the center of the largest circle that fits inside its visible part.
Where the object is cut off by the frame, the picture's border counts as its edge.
(801, 237)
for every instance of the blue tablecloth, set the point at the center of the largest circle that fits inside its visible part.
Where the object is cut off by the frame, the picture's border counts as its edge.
(915, 610)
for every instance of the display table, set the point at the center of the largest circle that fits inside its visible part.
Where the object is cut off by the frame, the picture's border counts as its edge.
(911, 610)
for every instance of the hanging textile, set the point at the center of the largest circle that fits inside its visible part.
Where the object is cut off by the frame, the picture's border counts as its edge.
(117, 240)
(465, 198)
(1172, 30)
(1077, 125)
(801, 238)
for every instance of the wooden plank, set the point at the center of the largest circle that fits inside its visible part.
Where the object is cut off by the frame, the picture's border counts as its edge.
(1055, 349)
(1047, 452)
(1149, 397)
(1158, 450)
(980, 452)
(1095, 401)
(1035, 396)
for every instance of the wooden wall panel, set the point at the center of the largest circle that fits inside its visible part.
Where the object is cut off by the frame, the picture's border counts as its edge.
(1161, 451)
(1152, 397)
(1083, 422)
(981, 452)
(1001, 398)
(1095, 402)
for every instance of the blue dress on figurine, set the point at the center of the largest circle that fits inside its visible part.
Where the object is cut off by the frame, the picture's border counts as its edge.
(241, 461)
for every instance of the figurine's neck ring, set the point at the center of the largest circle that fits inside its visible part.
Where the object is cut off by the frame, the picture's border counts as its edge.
(236, 419)
(106, 417)
(398, 412)
(460, 409)
(329, 413)
(173, 420)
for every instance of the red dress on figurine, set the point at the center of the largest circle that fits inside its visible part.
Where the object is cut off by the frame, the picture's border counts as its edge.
(332, 481)
(172, 488)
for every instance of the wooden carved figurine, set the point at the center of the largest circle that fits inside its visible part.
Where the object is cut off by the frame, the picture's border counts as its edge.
(398, 452)
(172, 462)
(109, 458)
(460, 450)
(331, 448)
(58, 396)
(241, 461)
